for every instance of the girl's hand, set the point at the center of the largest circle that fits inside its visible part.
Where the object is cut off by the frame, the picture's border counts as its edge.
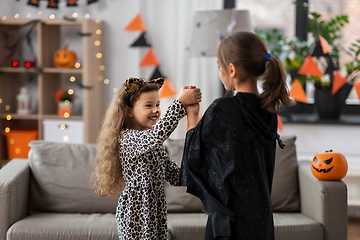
(189, 95)
(193, 109)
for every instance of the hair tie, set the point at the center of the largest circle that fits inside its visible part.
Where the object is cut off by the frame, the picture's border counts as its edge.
(267, 57)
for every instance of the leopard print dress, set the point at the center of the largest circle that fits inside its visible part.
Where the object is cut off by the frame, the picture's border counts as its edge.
(141, 212)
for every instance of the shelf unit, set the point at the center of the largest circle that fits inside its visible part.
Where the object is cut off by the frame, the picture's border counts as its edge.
(49, 36)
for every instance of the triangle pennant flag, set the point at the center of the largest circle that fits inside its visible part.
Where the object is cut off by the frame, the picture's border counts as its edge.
(136, 24)
(357, 87)
(338, 82)
(149, 59)
(167, 90)
(142, 41)
(157, 73)
(331, 65)
(310, 67)
(316, 50)
(325, 45)
(280, 126)
(297, 92)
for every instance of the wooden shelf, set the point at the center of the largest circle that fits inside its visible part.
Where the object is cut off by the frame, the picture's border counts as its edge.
(72, 117)
(63, 70)
(48, 36)
(17, 70)
(20, 116)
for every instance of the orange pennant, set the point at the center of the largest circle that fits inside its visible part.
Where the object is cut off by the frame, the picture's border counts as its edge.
(167, 90)
(310, 67)
(325, 45)
(280, 126)
(357, 87)
(338, 82)
(297, 92)
(136, 24)
(149, 59)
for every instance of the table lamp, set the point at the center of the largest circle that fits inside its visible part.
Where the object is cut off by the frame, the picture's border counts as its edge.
(210, 27)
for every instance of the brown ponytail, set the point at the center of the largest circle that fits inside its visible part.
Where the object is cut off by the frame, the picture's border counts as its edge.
(275, 93)
(247, 52)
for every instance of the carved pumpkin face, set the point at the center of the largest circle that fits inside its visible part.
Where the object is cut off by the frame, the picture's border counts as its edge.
(64, 58)
(329, 166)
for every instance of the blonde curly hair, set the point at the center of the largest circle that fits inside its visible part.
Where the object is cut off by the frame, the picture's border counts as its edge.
(108, 173)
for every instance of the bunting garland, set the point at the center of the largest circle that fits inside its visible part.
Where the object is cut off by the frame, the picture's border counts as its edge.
(357, 87)
(297, 92)
(321, 51)
(339, 81)
(54, 3)
(150, 59)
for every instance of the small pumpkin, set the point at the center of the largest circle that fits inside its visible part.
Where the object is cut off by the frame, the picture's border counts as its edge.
(329, 165)
(64, 58)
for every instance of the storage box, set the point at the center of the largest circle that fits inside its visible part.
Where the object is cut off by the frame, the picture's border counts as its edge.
(65, 131)
(18, 142)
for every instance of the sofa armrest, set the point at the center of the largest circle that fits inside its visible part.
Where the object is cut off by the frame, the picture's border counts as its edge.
(324, 201)
(14, 190)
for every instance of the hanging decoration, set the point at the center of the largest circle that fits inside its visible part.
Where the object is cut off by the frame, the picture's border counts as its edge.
(297, 92)
(310, 67)
(71, 3)
(34, 3)
(339, 81)
(136, 24)
(54, 3)
(150, 59)
(325, 45)
(142, 41)
(280, 125)
(357, 87)
(167, 89)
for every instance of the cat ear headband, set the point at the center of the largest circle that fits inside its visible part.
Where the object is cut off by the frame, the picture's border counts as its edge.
(132, 85)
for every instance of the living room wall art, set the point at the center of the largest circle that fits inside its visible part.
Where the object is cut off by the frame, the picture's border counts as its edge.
(150, 58)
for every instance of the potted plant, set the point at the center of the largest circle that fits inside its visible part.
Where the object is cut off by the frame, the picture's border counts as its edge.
(64, 99)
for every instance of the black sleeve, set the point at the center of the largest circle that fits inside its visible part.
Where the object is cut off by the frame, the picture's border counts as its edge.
(195, 172)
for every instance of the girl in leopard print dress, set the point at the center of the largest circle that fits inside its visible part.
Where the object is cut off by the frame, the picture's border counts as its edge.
(131, 159)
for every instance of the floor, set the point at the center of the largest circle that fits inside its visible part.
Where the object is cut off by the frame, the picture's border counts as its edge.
(354, 229)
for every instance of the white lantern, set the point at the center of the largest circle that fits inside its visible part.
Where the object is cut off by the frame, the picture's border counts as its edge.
(23, 99)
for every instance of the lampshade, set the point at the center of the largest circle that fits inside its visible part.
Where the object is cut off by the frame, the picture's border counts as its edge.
(210, 27)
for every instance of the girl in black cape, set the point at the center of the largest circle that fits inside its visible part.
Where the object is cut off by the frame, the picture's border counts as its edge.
(229, 156)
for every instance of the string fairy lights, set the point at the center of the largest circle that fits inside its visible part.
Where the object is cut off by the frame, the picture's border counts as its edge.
(72, 78)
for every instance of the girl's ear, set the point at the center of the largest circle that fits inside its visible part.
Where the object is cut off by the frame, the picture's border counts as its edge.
(232, 70)
(129, 111)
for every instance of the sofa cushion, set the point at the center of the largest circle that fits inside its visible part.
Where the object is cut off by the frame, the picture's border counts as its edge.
(177, 199)
(60, 180)
(285, 188)
(55, 226)
(296, 226)
(189, 226)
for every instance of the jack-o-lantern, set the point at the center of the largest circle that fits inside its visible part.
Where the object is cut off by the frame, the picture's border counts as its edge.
(64, 58)
(329, 166)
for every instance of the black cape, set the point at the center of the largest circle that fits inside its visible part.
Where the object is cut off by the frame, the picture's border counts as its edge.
(228, 162)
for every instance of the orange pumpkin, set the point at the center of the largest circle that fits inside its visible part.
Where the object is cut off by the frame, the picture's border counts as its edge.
(329, 166)
(64, 58)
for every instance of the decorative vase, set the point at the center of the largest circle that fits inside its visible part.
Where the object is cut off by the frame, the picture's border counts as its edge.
(329, 106)
(64, 108)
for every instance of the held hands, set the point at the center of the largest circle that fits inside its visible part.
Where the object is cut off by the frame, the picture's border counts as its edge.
(193, 109)
(189, 95)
